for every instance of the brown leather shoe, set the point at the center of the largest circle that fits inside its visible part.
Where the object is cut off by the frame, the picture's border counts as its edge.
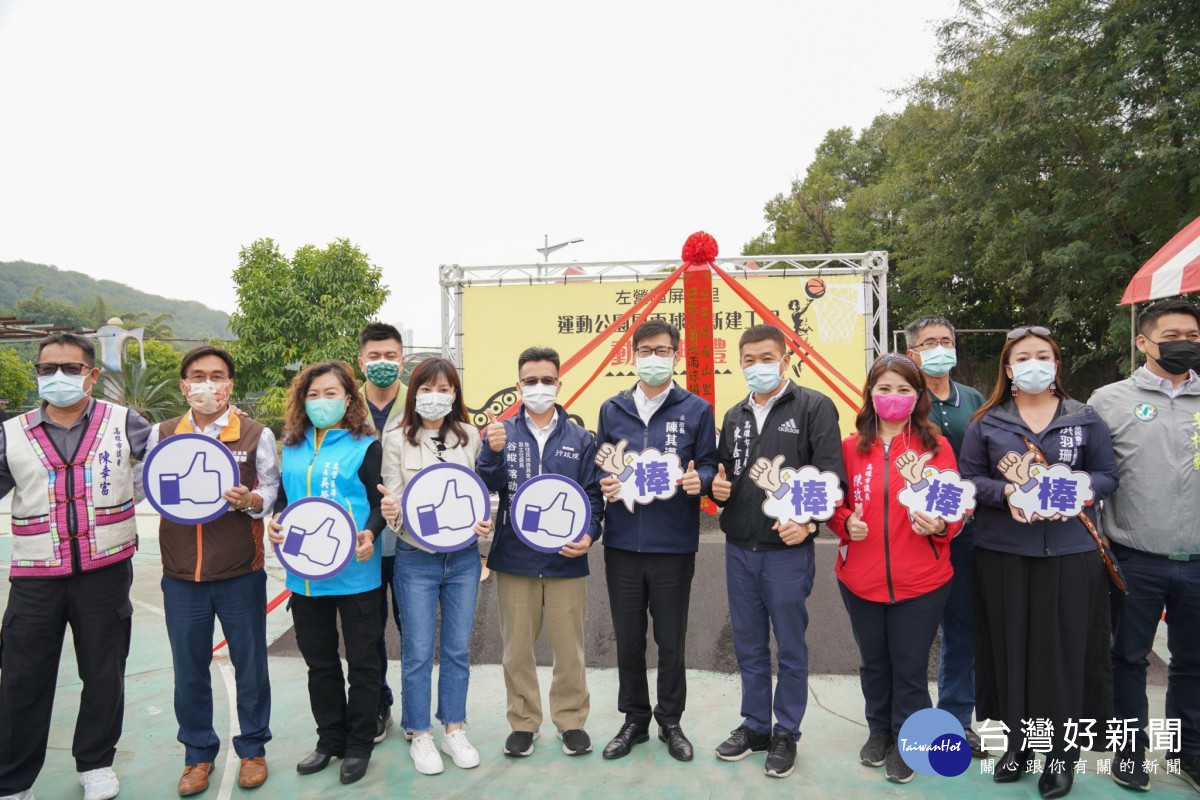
(253, 772)
(195, 779)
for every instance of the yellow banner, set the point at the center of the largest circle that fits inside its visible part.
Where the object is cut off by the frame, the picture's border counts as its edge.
(498, 322)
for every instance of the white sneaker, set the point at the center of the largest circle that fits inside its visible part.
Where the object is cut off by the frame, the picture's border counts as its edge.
(455, 745)
(99, 784)
(25, 795)
(425, 755)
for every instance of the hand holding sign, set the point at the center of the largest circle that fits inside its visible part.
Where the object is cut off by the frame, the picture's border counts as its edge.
(801, 495)
(495, 434)
(188, 478)
(445, 507)
(1053, 492)
(721, 486)
(315, 538)
(642, 477)
(550, 512)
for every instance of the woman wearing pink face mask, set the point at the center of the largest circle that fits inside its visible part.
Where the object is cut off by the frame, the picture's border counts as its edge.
(893, 565)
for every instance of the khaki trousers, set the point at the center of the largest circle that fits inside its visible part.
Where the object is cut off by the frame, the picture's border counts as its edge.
(524, 603)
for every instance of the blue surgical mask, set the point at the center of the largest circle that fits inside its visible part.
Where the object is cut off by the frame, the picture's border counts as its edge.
(1033, 376)
(938, 361)
(655, 370)
(434, 405)
(61, 390)
(325, 413)
(762, 378)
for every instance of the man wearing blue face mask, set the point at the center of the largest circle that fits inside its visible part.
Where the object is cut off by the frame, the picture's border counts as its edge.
(769, 567)
(69, 464)
(931, 344)
(650, 552)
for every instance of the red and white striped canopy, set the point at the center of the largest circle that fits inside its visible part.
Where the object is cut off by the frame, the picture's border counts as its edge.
(1175, 269)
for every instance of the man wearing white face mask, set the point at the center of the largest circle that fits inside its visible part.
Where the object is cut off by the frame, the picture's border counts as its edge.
(70, 465)
(215, 571)
(931, 344)
(533, 586)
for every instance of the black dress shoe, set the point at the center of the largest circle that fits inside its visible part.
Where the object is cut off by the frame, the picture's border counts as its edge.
(629, 735)
(1011, 766)
(313, 762)
(1056, 783)
(677, 744)
(354, 768)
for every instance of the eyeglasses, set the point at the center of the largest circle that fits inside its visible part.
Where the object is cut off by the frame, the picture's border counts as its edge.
(662, 351)
(1036, 330)
(948, 343)
(544, 381)
(45, 370)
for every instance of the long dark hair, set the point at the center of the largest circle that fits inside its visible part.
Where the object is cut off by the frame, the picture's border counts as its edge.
(455, 423)
(867, 422)
(1002, 391)
(296, 422)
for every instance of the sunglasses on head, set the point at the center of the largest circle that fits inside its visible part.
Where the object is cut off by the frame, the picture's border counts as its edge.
(1037, 330)
(45, 370)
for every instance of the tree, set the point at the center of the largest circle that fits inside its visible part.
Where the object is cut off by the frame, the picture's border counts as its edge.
(294, 312)
(16, 378)
(148, 391)
(160, 356)
(45, 311)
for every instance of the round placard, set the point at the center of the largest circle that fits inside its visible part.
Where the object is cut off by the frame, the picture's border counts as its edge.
(319, 538)
(550, 511)
(441, 505)
(185, 475)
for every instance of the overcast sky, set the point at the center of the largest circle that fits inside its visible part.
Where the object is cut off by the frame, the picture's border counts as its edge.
(146, 142)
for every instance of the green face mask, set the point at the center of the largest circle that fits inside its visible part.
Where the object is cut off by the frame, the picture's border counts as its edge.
(655, 370)
(383, 373)
(325, 413)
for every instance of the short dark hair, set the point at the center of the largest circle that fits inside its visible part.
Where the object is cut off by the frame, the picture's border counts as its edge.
(379, 332)
(538, 354)
(914, 328)
(654, 327)
(74, 339)
(1147, 319)
(197, 353)
(763, 332)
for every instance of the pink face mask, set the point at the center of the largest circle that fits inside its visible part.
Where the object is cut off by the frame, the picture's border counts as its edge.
(893, 407)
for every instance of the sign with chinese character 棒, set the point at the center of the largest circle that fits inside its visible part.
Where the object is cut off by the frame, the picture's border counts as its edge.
(319, 538)
(1043, 491)
(550, 511)
(442, 504)
(931, 491)
(803, 494)
(645, 477)
(185, 476)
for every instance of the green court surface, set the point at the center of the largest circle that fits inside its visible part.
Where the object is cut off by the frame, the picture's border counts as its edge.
(149, 760)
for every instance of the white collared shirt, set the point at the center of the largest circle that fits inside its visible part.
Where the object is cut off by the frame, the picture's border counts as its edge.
(646, 406)
(541, 435)
(1169, 388)
(760, 412)
(266, 461)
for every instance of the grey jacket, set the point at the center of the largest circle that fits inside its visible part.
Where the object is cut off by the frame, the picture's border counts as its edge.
(1157, 444)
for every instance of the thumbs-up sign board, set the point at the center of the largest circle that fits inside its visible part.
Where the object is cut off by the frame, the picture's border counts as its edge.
(550, 511)
(185, 475)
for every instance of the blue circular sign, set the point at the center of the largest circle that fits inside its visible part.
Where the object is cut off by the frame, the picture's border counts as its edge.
(549, 511)
(319, 538)
(931, 743)
(441, 506)
(185, 475)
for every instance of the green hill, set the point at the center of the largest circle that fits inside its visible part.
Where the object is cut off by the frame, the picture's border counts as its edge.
(192, 320)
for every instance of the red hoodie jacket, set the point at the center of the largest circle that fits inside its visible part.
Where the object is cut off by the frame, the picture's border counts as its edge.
(893, 563)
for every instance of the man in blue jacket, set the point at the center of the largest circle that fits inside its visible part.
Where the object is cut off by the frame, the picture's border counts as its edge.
(650, 551)
(532, 586)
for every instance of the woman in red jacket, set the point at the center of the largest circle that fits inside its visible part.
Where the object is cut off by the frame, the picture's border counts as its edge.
(893, 565)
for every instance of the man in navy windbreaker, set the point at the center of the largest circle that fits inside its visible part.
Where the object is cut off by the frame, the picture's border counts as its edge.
(532, 585)
(650, 552)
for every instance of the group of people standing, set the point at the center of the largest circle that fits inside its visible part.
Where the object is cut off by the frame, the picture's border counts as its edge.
(1030, 625)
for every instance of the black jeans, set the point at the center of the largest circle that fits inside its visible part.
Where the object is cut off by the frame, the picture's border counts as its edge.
(345, 722)
(660, 583)
(96, 605)
(388, 567)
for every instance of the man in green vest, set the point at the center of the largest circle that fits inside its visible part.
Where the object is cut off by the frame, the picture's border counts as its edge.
(381, 358)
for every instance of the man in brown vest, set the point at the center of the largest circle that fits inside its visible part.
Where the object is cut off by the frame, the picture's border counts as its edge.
(215, 570)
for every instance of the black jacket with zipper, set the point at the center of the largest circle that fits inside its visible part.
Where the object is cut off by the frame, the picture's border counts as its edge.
(802, 426)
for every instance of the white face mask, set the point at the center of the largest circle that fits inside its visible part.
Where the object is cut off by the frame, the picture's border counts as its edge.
(434, 405)
(539, 399)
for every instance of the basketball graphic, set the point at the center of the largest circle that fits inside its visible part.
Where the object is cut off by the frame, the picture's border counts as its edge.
(814, 288)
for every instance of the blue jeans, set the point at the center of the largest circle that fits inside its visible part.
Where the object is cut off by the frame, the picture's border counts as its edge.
(191, 608)
(956, 670)
(767, 591)
(1156, 582)
(423, 582)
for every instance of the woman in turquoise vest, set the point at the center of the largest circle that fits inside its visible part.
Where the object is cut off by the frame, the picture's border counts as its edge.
(330, 451)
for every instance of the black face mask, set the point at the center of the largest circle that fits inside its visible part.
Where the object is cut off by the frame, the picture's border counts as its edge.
(1177, 357)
